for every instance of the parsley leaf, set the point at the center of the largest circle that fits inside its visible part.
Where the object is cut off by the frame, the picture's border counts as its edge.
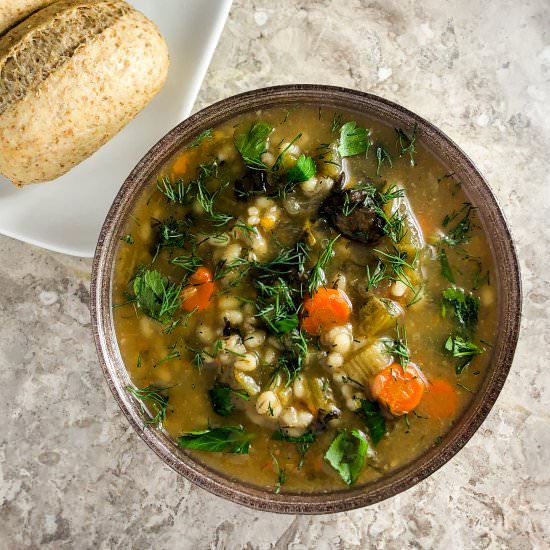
(353, 140)
(229, 439)
(465, 306)
(155, 295)
(303, 170)
(462, 349)
(347, 454)
(253, 144)
(375, 421)
(220, 398)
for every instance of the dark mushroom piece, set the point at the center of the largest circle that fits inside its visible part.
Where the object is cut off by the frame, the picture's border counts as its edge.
(253, 182)
(362, 222)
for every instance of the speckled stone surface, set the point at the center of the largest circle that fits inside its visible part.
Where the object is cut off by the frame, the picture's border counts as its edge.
(72, 472)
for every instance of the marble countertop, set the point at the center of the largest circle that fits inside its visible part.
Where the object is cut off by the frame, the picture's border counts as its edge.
(73, 474)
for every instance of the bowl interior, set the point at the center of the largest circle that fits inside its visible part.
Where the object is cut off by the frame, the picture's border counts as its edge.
(506, 277)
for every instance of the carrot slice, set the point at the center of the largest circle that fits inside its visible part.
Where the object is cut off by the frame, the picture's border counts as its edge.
(440, 399)
(327, 307)
(399, 391)
(198, 292)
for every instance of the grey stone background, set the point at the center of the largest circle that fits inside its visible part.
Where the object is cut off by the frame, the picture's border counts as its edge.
(72, 472)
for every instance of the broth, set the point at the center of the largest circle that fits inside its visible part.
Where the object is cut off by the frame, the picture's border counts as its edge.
(322, 312)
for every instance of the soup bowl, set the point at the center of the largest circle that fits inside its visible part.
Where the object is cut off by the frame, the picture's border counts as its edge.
(506, 278)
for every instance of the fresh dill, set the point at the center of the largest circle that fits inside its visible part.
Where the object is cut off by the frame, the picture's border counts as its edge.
(337, 121)
(382, 156)
(399, 347)
(377, 275)
(281, 474)
(397, 262)
(204, 135)
(173, 355)
(302, 442)
(155, 396)
(317, 273)
(188, 262)
(407, 144)
(177, 192)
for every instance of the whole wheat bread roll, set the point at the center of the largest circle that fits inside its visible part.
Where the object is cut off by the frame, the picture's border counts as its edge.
(71, 76)
(13, 11)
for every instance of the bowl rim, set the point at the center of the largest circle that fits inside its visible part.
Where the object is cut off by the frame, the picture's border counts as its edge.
(508, 285)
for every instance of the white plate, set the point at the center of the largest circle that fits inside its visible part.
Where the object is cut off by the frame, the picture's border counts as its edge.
(66, 215)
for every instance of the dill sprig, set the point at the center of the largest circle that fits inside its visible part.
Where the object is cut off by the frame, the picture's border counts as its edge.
(205, 135)
(382, 156)
(281, 475)
(177, 192)
(155, 397)
(317, 273)
(399, 347)
(188, 262)
(397, 262)
(407, 144)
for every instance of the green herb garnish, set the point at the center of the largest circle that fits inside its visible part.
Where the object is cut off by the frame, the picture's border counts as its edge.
(465, 306)
(253, 144)
(353, 140)
(281, 474)
(406, 143)
(399, 347)
(302, 442)
(303, 170)
(374, 419)
(177, 192)
(221, 398)
(155, 397)
(128, 239)
(188, 262)
(206, 134)
(317, 273)
(155, 295)
(460, 233)
(228, 439)
(463, 349)
(347, 454)
(446, 270)
(382, 156)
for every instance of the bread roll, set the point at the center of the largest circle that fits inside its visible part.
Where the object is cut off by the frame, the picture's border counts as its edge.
(71, 76)
(13, 11)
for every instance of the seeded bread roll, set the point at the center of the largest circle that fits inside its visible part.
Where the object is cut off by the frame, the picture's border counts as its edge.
(13, 11)
(71, 76)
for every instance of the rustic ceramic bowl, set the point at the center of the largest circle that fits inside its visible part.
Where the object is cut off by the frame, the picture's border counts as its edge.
(506, 278)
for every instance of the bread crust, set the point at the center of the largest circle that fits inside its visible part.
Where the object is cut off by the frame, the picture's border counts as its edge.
(86, 100)
(14, 11)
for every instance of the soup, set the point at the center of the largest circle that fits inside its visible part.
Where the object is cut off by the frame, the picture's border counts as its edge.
(303, 299)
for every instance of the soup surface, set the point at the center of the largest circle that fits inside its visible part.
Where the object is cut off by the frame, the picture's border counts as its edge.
(303, 299)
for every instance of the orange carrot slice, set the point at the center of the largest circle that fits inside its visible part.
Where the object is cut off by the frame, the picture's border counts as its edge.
(399, 391)
(198, 292)
(440, 400)
(327, 307)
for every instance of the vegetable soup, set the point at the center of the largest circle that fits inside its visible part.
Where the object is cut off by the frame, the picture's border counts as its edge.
(303, 299)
